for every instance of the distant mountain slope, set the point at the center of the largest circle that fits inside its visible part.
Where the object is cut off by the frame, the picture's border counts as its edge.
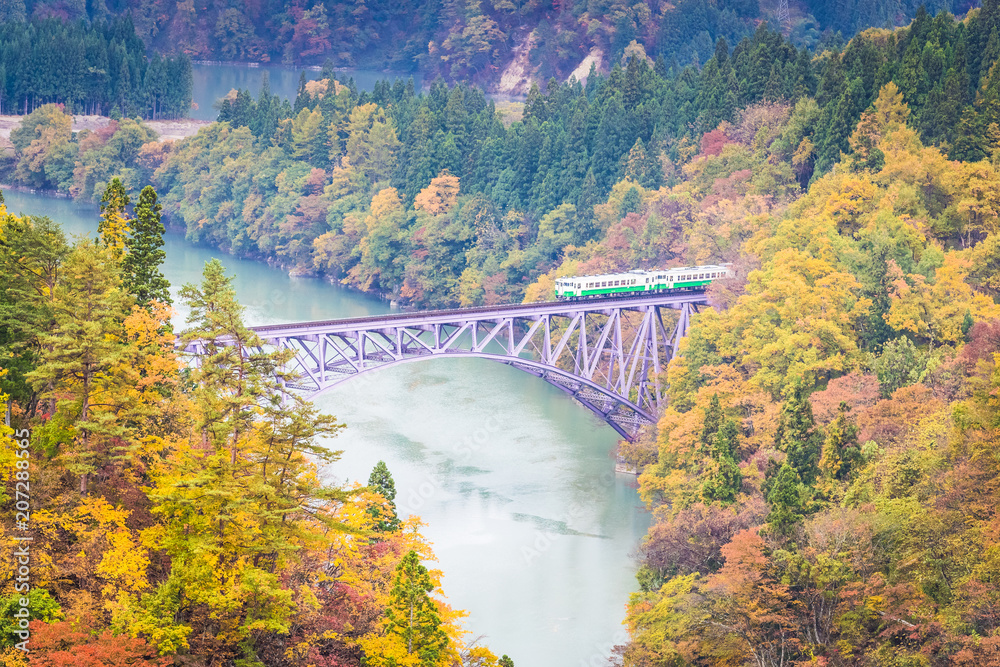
(470, 39)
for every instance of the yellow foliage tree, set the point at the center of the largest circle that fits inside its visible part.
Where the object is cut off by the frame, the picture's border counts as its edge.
(440, 196)
(795, 323)
(113, 227)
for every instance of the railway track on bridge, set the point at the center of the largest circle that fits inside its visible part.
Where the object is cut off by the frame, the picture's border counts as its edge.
(502, 310)
(608, 353)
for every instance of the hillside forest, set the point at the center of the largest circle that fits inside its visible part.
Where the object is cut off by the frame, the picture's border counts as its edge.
(469, 40)
(90, 68)
(824, 482)
(179, 513)
(438, 200)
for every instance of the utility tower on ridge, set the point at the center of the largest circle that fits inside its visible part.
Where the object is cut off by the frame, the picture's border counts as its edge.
(783, 17)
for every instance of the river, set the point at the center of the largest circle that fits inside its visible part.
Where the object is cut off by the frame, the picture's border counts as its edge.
(211, 82)
(515, 481)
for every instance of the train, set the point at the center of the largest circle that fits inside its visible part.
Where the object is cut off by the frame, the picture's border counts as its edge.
(639, 281)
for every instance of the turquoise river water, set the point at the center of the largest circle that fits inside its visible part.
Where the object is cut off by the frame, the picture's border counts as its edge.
(211, 82)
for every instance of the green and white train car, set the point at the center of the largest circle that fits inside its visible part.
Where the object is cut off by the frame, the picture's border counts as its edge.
(639, 280)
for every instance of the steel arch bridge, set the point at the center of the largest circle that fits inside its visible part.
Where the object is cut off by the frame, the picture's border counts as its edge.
(606, 353)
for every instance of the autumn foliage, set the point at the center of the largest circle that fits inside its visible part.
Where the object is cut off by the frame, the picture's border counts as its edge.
(179, 513)
(859, 362)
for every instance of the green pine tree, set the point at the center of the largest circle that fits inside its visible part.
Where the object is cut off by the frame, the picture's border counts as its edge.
(381, 482)
(841, 452)
(235, 378)
(141, 266)
(727, 439)
(724, 481)
(712, 422)
(412, 614)
(786, 505)
(797, 436)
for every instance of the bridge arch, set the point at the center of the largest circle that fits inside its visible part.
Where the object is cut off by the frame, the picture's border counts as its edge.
(623, 415)
(607, 353)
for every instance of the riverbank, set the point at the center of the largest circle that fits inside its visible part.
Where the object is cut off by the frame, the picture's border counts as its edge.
(168, 130)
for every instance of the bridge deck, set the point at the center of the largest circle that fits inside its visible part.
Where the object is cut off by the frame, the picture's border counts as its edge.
(667, 299)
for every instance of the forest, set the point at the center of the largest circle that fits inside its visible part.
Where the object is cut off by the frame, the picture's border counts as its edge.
(178, 513)
(437, 199)
(824, 483)
(91, 68)
(465, 40)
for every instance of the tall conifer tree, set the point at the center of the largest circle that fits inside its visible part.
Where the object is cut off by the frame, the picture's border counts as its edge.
(412, 614)
(141, 266)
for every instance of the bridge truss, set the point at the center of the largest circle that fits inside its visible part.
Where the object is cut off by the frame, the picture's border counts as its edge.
(608, 354)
